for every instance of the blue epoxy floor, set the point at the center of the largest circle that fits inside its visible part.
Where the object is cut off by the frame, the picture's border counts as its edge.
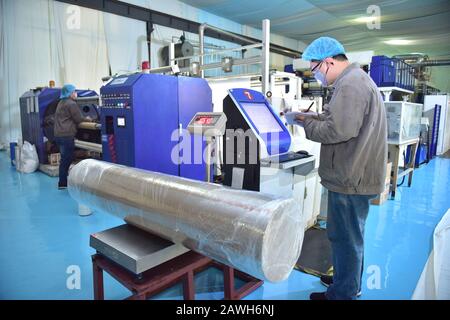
(41, 236)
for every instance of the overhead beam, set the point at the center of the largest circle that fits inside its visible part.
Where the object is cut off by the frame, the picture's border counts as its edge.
(163, 19)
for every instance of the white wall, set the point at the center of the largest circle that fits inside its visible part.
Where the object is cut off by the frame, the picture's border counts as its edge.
(42, 40)
(39, 41)
(440, 78)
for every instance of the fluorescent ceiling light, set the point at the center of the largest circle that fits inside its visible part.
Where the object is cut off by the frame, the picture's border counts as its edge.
(399, 42)
(366, 19)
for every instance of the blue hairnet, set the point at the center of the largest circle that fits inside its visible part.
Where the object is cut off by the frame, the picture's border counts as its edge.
(66, 91)
(321, 48)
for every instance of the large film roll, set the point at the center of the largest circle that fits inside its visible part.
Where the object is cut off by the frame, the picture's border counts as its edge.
(256, 233)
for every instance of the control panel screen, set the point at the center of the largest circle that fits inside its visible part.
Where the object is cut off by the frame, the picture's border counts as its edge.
(120, 121)
(205, 120)
(261, 117)
(118, 81)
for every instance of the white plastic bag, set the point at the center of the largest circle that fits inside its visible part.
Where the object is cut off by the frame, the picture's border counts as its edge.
(28, 160)
(434, 283)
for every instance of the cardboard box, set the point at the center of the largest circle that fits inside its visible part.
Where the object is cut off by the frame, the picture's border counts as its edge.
(382, 197)
(54, 159)
(388, 172)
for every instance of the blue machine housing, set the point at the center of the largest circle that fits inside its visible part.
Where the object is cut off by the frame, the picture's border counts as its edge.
(35, 106)
(276, 143)
(142, 117)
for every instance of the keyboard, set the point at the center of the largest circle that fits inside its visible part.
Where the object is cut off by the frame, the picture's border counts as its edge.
(290, 156)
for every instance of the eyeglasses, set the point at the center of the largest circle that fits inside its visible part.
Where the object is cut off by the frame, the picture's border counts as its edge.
(317, 66)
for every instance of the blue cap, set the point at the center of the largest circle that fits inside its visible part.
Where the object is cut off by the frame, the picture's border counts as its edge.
(321, 48)
(66, 91)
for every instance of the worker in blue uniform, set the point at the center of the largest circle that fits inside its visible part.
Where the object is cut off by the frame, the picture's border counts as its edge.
(352, 131)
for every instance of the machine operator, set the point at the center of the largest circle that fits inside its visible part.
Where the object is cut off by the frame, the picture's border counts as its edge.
(67, 118)
(353, 132)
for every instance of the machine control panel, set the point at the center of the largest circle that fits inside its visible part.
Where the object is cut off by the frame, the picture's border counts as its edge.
(116, 100)
(208, 124)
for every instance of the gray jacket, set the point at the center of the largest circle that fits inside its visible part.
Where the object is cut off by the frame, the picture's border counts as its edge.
(67, 118)
(353, 133)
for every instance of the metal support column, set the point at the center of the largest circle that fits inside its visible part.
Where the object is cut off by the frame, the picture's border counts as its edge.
(265, 56)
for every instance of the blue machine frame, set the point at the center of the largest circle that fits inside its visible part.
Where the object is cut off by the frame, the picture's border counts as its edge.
(142, 115)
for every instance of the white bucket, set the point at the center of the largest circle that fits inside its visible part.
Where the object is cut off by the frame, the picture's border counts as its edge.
(83, 210)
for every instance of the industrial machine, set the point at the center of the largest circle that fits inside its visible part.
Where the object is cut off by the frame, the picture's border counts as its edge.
(403, 120)
(37, 109)
(144, 120)
(210, 125)
(257, 148)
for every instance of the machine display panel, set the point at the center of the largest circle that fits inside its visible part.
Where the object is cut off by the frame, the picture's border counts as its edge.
(205, 120)
(119, 81)
(120, 121)
(261, 117)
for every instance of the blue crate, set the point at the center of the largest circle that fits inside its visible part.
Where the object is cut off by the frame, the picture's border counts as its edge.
(421, 154)
(289, 68)
(404, 75)
(382, 71)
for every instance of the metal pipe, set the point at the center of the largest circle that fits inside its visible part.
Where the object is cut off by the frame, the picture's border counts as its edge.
(265, 56)
(201, 35)
(171, 54)
(266, 46)
(258, 45)
(250, 60)
(88, 146)
(243, 76)
(161, 69)
(208, 160)
(273, 47)
(432, 63)
(256, 233)
(205, 26)
(416, 56)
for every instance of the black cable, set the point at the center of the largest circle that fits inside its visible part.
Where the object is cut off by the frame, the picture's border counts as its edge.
(404, 163)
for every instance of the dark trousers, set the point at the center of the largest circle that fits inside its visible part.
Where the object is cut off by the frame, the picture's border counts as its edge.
(66, 147)
(346, 220)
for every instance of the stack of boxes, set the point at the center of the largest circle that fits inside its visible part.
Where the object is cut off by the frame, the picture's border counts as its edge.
(54, 159)
(382, 197)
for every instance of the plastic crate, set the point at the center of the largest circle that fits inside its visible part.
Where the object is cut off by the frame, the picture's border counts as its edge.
(382, 71)
(404, 75)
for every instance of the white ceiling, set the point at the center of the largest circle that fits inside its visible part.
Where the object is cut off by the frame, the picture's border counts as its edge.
(425, 22)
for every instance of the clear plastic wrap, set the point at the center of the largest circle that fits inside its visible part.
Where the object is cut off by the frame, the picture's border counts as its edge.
(257, 233)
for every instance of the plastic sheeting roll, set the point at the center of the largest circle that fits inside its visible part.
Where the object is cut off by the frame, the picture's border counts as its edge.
(253, 232)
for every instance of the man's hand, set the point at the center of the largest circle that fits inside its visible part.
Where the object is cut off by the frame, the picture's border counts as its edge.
(300, 118)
